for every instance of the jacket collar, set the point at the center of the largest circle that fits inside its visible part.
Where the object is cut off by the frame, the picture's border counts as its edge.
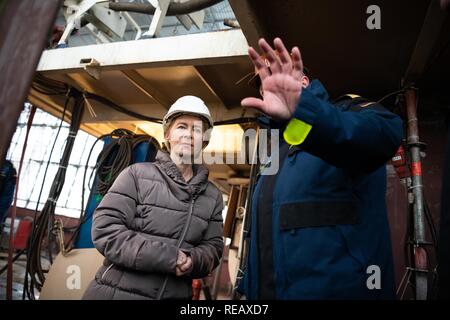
(198, 182)
(317, 89)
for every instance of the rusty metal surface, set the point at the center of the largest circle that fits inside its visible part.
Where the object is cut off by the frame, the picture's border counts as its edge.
(420, 261)
(25, 26)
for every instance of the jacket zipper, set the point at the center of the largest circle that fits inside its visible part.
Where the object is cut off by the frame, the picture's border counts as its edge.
(186, 227)
(180, 241)
(106, 271)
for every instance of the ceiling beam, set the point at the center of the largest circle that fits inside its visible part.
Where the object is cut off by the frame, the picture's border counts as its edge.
(193, 49)
(250, 23)
(148, 89)
(210, 85)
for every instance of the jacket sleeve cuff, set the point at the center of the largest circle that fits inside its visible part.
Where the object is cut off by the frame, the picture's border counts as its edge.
(307, 108)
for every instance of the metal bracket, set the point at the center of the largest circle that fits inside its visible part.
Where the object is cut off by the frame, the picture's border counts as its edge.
(92, 67)
(187, 20)
(75, 11)
(134, 24)
(158, 18)
(111, 23)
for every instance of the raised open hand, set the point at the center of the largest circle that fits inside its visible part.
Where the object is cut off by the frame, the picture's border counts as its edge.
(281, 81)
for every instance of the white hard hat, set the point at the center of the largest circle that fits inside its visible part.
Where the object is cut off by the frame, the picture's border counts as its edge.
(188, 105)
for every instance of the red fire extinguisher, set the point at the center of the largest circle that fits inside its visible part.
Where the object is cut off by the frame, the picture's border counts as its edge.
(400, 164)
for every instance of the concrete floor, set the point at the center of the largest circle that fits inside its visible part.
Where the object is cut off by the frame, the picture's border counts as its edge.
(18, 276)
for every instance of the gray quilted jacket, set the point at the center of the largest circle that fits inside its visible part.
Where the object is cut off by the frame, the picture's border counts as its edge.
(146, 216)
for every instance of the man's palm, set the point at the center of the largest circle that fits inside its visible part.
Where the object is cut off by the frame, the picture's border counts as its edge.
(281, 95)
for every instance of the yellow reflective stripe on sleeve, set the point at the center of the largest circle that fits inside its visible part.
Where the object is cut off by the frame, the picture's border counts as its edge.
(296, 131)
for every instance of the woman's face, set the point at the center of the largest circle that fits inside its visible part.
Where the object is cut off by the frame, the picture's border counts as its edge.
(185, 136)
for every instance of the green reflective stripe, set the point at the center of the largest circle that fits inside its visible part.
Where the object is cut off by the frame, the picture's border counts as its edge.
(296, 131)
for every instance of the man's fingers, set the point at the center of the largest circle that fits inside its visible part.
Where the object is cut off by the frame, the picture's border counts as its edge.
(253, 103)
(258, 62)
(274, 60)
(284, 55)
(297, 60)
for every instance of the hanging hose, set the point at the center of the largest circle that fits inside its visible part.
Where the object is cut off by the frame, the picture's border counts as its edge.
(122, 153)
(45, 221)
(27, 293)
(14, 208)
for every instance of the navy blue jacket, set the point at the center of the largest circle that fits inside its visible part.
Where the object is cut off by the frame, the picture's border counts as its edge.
(329, 218)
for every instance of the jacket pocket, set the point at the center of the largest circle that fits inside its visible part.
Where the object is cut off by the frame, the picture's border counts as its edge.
(317, 214)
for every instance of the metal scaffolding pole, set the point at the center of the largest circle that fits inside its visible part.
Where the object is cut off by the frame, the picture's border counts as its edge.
(414, 145)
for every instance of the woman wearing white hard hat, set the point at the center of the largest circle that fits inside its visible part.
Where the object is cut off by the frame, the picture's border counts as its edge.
(160, 224)
(194, 114)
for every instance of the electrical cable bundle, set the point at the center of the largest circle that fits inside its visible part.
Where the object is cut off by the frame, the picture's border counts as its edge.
(121, 109)
(114, 158)
(48, 86)
(44, 222)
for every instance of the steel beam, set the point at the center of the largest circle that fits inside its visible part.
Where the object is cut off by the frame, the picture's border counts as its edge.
(143, 85)
(223, 47)
(250, 23)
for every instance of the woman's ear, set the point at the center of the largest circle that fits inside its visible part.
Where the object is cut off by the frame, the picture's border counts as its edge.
(166, 140)
(166, 135)
(305, 81)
